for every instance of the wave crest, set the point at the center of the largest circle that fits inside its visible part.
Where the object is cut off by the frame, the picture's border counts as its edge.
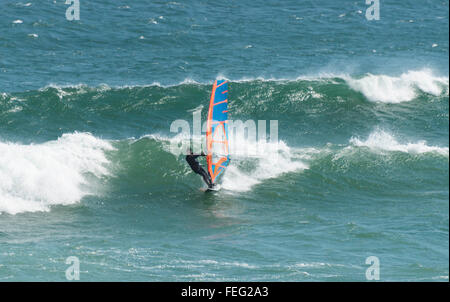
(380, 140)
(34, 177)
(388, 89)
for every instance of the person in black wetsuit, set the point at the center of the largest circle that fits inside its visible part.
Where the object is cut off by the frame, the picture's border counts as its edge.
(195, 166)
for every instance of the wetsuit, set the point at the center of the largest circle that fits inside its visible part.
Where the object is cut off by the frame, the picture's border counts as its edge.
(195, 166)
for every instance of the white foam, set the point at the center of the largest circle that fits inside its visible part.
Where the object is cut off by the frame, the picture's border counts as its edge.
(390, 89)
(320, 77)
(15, 109)
(312, 265)
(186, 81)
(275, 160)
(64, 90)
(74, 86)
(201, 263)
(380, 140)
(34, 177)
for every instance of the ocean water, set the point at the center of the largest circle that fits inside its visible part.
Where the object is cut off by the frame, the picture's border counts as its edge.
(361, 167)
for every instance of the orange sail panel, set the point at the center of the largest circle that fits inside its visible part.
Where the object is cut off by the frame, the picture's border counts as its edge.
(217, 157)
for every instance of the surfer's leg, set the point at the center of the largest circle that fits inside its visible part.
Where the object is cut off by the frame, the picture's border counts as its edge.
(205, 176)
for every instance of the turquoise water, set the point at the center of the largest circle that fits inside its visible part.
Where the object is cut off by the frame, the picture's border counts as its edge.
(361, 167)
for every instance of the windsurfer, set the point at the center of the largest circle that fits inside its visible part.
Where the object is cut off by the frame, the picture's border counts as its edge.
(191, 158)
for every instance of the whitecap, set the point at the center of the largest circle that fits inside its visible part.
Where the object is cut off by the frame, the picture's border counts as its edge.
(380, 140)
(36, 176)
(391, 89)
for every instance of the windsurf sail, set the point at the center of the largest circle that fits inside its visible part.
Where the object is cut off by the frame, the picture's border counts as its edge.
(217, 157)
